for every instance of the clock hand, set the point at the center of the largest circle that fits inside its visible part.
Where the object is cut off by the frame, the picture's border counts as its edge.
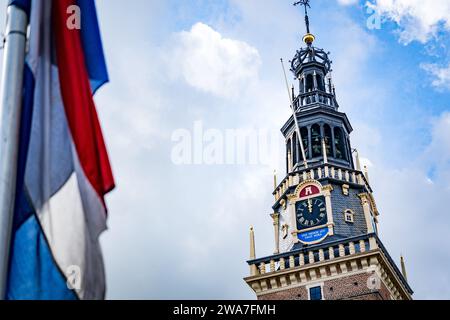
(310, 206)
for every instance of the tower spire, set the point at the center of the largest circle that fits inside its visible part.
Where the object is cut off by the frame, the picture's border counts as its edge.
(322, 175)
(308, 38)
(253, 268)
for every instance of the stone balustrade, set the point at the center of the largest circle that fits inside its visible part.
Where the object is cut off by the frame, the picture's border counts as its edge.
(320, 172)
(312, 254)
(315, 97)
(365, 253)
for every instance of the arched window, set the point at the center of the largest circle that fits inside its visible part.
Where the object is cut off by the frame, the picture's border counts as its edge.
(304, 133)
(302, 86)
(339, 144)
(349, 216)
(309, 83)
(295, 151)
(320, 83)
(328, 142)
(316, 144)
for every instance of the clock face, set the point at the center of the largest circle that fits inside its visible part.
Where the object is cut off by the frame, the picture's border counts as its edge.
(311, 213)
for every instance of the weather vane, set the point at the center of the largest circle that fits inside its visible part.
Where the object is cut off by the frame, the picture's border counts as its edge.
(304, 3)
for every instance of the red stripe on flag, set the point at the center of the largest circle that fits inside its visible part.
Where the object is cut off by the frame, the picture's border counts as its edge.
(78, 102)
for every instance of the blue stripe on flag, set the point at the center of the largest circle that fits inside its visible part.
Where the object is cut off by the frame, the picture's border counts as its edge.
(92, 45)
(33, 271)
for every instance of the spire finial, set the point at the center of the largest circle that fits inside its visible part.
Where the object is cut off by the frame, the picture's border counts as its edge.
(402, 262)
(252, 243)
(366, 173)
(253, 268)
(275, 179)
(358, 162)
(308, 38)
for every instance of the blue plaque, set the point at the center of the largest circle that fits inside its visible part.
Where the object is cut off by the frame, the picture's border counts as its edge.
(314, 235)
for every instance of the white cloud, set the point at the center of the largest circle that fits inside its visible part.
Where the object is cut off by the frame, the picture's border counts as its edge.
(418, 20)
(441, 75)
(209, 62)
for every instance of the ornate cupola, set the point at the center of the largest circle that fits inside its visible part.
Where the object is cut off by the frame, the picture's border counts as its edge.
(312, 68)
(325, 218)
(324, 131)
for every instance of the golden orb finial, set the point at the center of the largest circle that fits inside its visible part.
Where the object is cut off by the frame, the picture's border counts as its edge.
(309, 38)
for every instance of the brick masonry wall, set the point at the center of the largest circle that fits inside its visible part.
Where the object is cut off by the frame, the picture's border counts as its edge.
(352, 287)
(299, 293)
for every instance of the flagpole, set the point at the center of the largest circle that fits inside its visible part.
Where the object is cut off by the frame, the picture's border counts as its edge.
(10, 111)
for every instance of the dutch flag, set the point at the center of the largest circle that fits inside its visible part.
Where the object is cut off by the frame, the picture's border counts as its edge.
(64, 170)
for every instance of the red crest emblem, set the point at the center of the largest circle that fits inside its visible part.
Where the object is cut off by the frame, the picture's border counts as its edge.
(309, 190)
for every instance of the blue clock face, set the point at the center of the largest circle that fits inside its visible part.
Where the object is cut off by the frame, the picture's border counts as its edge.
(311, 213)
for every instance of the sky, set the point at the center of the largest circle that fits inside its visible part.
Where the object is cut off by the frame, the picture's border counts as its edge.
(179, 227)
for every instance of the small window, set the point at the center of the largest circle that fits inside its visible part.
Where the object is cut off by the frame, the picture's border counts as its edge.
(284, 231)
(320, 83)
(349, 216)
(315, 293)
(309, 83)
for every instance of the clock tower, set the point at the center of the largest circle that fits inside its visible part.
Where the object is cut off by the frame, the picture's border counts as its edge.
(325, 217)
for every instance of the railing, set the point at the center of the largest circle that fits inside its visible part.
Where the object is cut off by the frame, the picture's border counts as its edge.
(306, 99)
(300, 260)
(320, 172)
(313, 254)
